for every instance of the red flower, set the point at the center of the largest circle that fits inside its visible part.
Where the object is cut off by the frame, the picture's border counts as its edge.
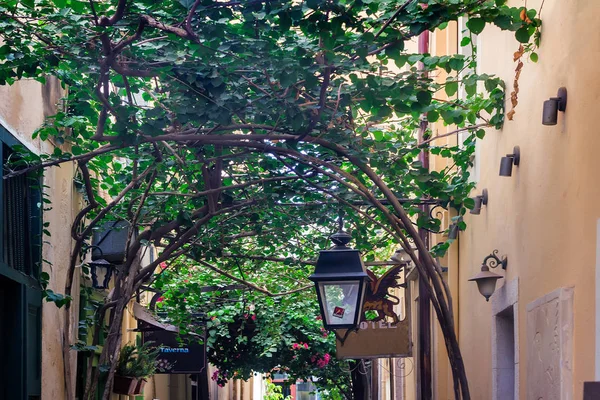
(160, 299)
(319, 318)
(253, 317)
(163, 265)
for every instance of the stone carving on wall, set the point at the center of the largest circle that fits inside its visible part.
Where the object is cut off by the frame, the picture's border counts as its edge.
(550, 346)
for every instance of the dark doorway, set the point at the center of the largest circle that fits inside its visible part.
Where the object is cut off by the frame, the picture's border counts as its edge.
(9, 337)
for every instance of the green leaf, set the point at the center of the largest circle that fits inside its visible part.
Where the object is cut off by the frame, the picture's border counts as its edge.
(415, 58)
(433, 116)
(533, 57)
(476, 25)
(378, 135)
(187, 3)
(424, 98)
(469, 203)
(522, 35)
(451, 88)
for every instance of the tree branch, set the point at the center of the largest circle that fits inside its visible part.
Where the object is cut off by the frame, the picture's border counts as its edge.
(454, 132)
(251, 285)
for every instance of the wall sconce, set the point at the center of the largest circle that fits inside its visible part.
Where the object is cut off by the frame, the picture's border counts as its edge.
(506, 163)
(401, 256)
(486, 280)
(102, 271)
(553, 106)
(480, 200)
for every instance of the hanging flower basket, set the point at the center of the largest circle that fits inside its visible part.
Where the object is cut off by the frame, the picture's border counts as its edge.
(125, 385)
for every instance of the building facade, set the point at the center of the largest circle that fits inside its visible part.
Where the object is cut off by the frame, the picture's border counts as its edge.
(538, 336)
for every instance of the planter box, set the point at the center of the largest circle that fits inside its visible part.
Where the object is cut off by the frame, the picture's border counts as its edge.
(125, 385)
(139, 389)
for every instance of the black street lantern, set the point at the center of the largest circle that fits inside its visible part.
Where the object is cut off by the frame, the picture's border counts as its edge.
(101, 273)
(340, 280)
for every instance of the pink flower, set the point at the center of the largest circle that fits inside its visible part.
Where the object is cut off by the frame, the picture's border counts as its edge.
(295, 346)
(215, 375)
(305, 346)
(160, 299)
(319, 318)
(163, 265)
(253, 317)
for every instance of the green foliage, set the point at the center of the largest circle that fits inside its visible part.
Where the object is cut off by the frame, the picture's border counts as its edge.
(137, 361)
(248, 332)
(274, 392)
(51, 296)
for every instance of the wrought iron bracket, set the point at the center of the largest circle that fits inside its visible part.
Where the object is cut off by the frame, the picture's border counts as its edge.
(492, 261)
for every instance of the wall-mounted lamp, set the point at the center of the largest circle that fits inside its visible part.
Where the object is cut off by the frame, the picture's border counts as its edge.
(101, 271)
(486, 280)
(480, 200)
(402, 256)
(506, 163)
(553, 106)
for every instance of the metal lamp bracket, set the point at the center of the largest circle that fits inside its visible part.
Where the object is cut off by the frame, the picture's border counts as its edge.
(516, 155)
(484, 197)
(561, 99)
(492, 261)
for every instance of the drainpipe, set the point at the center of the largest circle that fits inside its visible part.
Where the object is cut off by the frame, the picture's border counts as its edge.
(424, 339)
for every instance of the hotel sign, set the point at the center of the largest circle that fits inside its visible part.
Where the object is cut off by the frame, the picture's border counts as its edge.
(387, 334)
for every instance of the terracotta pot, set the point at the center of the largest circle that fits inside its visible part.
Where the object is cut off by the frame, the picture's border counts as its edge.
(124, 385)
(139, 389)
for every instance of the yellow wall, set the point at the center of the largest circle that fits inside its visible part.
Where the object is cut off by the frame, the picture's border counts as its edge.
(544, 216)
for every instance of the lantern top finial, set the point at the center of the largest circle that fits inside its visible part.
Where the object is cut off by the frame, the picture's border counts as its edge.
(341, 239)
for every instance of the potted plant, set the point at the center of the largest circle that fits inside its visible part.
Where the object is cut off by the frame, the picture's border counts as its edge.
(125, 382)
(144, 365)
(136, 363)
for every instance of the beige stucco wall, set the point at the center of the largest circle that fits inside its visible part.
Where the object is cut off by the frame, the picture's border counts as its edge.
(544, 216)
(23, 107)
